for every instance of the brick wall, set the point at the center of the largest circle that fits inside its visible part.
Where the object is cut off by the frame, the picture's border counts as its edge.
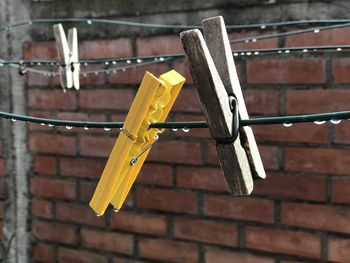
(179, 209)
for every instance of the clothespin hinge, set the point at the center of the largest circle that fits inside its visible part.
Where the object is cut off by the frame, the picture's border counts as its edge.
(235, 121)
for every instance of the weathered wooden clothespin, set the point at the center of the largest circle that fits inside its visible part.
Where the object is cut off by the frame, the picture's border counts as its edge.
(217, 85)
(68, 56)
(152, 103)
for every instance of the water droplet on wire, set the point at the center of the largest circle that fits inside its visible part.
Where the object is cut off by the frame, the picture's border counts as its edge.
(339, 49)
(262, 26)
(86, 128)
(174, 129)
(13, 120)
(319, 122)
(286, 124)
(316, 31)
(335, 121)
(42, 124)
(89, 22)
(107, 129)
(51, 125)
(116, 210)
(69, 127)
(186, 129)
(98, 215)
(305, 50)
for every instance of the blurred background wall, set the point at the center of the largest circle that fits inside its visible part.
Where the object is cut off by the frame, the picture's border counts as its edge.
(179, 210)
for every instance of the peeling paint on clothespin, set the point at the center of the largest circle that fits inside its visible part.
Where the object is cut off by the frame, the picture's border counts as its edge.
(152, 103)
(211, 75)
(68, 56)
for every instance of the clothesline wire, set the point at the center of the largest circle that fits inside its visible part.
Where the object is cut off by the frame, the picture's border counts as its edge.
(318, 118)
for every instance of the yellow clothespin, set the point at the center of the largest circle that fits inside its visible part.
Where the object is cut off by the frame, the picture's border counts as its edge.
(152, 103)
(68, 56)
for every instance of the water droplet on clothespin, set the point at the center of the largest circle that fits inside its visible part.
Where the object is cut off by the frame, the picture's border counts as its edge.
(116, 210)
(339, 49)
(69, 127)
(133, 161)
(335, 121)
(51, 125)
(89, 22)
(319, 122)
(107, 129)
(286, 124)
(98, 215)
(156, 137)
(186, 129)
(174, 129)
(86, 128)
(316, 31)
(13, 120)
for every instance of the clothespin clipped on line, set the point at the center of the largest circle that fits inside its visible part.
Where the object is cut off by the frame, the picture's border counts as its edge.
(217, 85)
(152, 103)
(68, 56)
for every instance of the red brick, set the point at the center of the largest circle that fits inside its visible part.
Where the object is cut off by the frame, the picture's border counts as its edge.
(167, 200)
(316, 101)
(114, 242)
(159, 45)
(338, 249)
(206, 231)
(286, 186)
(139, 223)
(135, 75)
(195, 133)
(340, 70)
(86, 168)
(105, 48)
(335, 36)
(239, 208)
(2, 167)
(201, 178)
(187, 101)
(53, 188)
(269, 156)
(76, 256)
(183, 68)
(44, 253)
(96, 146)
(342, 133)
(260, 44)
(45, 165)
(262, 101)
(40, 50)
(89, 79)
(75, 213)
(35, 79)
(340, 191)
(55, 144)
(42, 208)
(111, 99)
(328, 218)
(214, 255)
(286, 71)
(300, 132)
(52, 100)
(176, 152)
(54, 232)
(156, 174)
(284, 242)
(169, 251)
(317, 160)
(125, 260)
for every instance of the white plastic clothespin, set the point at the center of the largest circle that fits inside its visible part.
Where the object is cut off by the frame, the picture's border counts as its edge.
(68, 56)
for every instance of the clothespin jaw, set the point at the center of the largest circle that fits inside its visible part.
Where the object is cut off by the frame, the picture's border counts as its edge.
(152, 103)
(217, 86)
(68, 56)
